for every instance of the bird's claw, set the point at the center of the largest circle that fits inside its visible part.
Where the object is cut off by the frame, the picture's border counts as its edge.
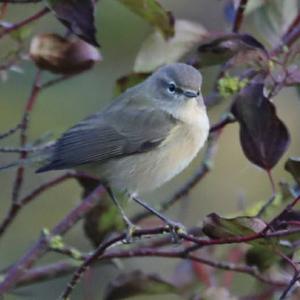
(176, 229)
(131, 229)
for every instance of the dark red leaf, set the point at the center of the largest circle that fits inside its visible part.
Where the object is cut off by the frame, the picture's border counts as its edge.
(78, 16)
(264, 137)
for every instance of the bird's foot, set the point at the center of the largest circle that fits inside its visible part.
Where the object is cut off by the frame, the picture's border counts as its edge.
(176, 229)
(131, 229)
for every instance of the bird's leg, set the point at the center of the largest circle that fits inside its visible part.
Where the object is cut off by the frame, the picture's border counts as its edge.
(130, 226)
(175, 227)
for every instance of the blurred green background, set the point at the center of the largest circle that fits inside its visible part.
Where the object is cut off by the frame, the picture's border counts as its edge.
(232, 184)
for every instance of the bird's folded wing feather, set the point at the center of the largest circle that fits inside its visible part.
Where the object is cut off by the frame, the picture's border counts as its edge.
(110, 134)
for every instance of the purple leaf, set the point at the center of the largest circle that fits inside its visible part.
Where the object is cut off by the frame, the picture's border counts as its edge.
(78, 16)
(264, 137)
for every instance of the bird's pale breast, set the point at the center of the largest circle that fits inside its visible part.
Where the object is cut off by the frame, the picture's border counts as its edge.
(146, 171)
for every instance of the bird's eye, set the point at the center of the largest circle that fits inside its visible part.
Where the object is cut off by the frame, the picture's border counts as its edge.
(171, 88)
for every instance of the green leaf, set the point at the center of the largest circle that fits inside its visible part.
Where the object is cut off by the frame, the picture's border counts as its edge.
(56, 242)
(137, 283)
(259, 257)
(156, 51)
(293, 167)
(129, 80)
(239, 48)
(77, 16)
(154, 13)
(21, 34)
(230, 85)
(217, 227)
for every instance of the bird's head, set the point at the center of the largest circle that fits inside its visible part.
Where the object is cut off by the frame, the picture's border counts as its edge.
(173, 85)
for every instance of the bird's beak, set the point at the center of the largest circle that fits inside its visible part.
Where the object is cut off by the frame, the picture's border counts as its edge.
(190, 94)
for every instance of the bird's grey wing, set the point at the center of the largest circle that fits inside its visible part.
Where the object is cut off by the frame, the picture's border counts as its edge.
(108, 135)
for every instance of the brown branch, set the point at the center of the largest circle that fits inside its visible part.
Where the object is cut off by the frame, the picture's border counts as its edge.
(287, 40)
(40, 247)
(55, 81)
(48, 272)
(66, 267)
(228, 119)
(9, 132)
(16, 26)
(288, 208)
(23, 135)
(270, 201)
(3, 9)
(290, 286)
(294, 23)
(99, 252)
(38, 274)
(239, 16)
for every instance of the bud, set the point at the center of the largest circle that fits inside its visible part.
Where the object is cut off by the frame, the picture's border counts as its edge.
(62, 55)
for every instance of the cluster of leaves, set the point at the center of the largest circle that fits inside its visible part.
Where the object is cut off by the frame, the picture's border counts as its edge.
(252, 72)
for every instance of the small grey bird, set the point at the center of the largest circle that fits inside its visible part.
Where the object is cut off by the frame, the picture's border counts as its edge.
(144, 138)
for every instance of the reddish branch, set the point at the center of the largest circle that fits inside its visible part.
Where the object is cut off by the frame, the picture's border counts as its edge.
(10, 131)
(16, 26)
(3, 9)
(16, 272)
(239, 16)
(23, 135)
(66, 267)
(48, 272)
(99, 252)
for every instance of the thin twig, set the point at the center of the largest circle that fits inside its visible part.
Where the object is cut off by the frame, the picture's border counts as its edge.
(66, 267)
(99, 252)
(239, 16)
(272, 198)
(48, 272)
(24, 22)
(9, 132)
(23, 134)
(3, 8)
(287, 209)
(290, 287)
(228, 119)
(55, 81)
(25, 149)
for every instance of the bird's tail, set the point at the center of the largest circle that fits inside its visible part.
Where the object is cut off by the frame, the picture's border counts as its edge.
(35, 156)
